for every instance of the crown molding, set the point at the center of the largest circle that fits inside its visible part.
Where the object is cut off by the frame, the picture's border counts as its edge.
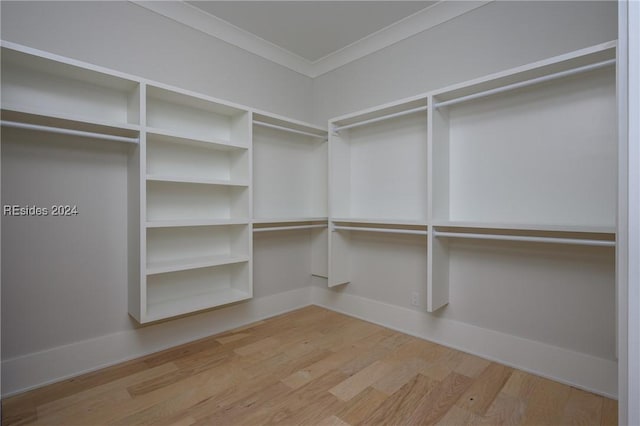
(418, 22)
(422, 20)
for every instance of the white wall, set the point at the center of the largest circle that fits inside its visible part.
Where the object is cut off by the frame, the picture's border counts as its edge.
(494, 37)
(64, 282)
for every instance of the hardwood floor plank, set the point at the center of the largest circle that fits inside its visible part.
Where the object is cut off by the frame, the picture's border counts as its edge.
(397, 408)
(505, 410)
(402, 372)
(458, 416)
(361, 380)
(582, 408)
(609, 412)
(18, 411)
(435, 404)
(484, 390)
(362, 406)
(547, 402)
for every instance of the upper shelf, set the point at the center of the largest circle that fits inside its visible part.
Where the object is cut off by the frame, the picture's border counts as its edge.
(313, 133)
(42, 86)
(192, 117)
(62, 121)
(381, 113)
(583, 60)
(589, 229)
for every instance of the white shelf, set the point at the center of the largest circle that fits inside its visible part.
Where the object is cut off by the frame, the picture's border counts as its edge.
(68, 121)
(379, 170)
(289, 170)
(289, 219)
(520, 156)
(184, 139)
(195, 180)
(528, 227)
(181, 306)
(174, 265)
(359, 220)
(192, 117)
(64, 89)
(178, 201)
(195, 222)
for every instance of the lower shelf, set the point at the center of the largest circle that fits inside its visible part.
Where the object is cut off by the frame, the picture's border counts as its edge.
(175, 265)
(182, 292)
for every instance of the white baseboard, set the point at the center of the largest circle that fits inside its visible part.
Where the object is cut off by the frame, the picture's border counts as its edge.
(37, 369)
(573, 368)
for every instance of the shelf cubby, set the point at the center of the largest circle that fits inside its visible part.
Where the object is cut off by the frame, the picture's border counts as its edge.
(181, 248)
(184, 160)
(379, 170)
(526, 157)
(38, 86)
(518, 157)
(182, 292)
(168, 201)
(194, 117)
(289, 170)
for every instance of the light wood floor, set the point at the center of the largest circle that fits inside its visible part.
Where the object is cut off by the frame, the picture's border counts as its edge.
(312, 367)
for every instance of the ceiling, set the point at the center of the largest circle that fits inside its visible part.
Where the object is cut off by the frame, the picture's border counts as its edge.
(311, 29)
(307, 36)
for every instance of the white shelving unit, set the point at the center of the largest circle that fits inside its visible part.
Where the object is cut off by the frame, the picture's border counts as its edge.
(198, 198)
(290, 181)
(41, 91)
(289, 170)
(378, 177)
(527, 155)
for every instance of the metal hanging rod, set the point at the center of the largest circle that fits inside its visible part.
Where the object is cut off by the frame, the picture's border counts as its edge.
(384, 117)
(553, 240)
(382, 230)
(71, 132)
(287, 228)
(287, 129)
(526, 83)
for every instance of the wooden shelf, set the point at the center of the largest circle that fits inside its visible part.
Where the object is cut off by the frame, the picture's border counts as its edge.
(160, 267)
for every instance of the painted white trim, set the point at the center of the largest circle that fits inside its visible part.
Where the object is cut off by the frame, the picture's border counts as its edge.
(52, 365)
(418, 22)
(629, 284)
(411, 25)
(573, 368)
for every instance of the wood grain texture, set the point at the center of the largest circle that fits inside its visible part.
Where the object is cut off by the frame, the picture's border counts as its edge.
(309, 367)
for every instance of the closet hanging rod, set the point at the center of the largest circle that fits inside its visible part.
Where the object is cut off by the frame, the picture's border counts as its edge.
(287, 228)
(553, 240)
(382, 230)
(287, 129)
(71, 132)
(527, 83)
(384, 117)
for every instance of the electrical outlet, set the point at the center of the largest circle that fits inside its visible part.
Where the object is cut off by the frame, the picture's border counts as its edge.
(415, 298)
